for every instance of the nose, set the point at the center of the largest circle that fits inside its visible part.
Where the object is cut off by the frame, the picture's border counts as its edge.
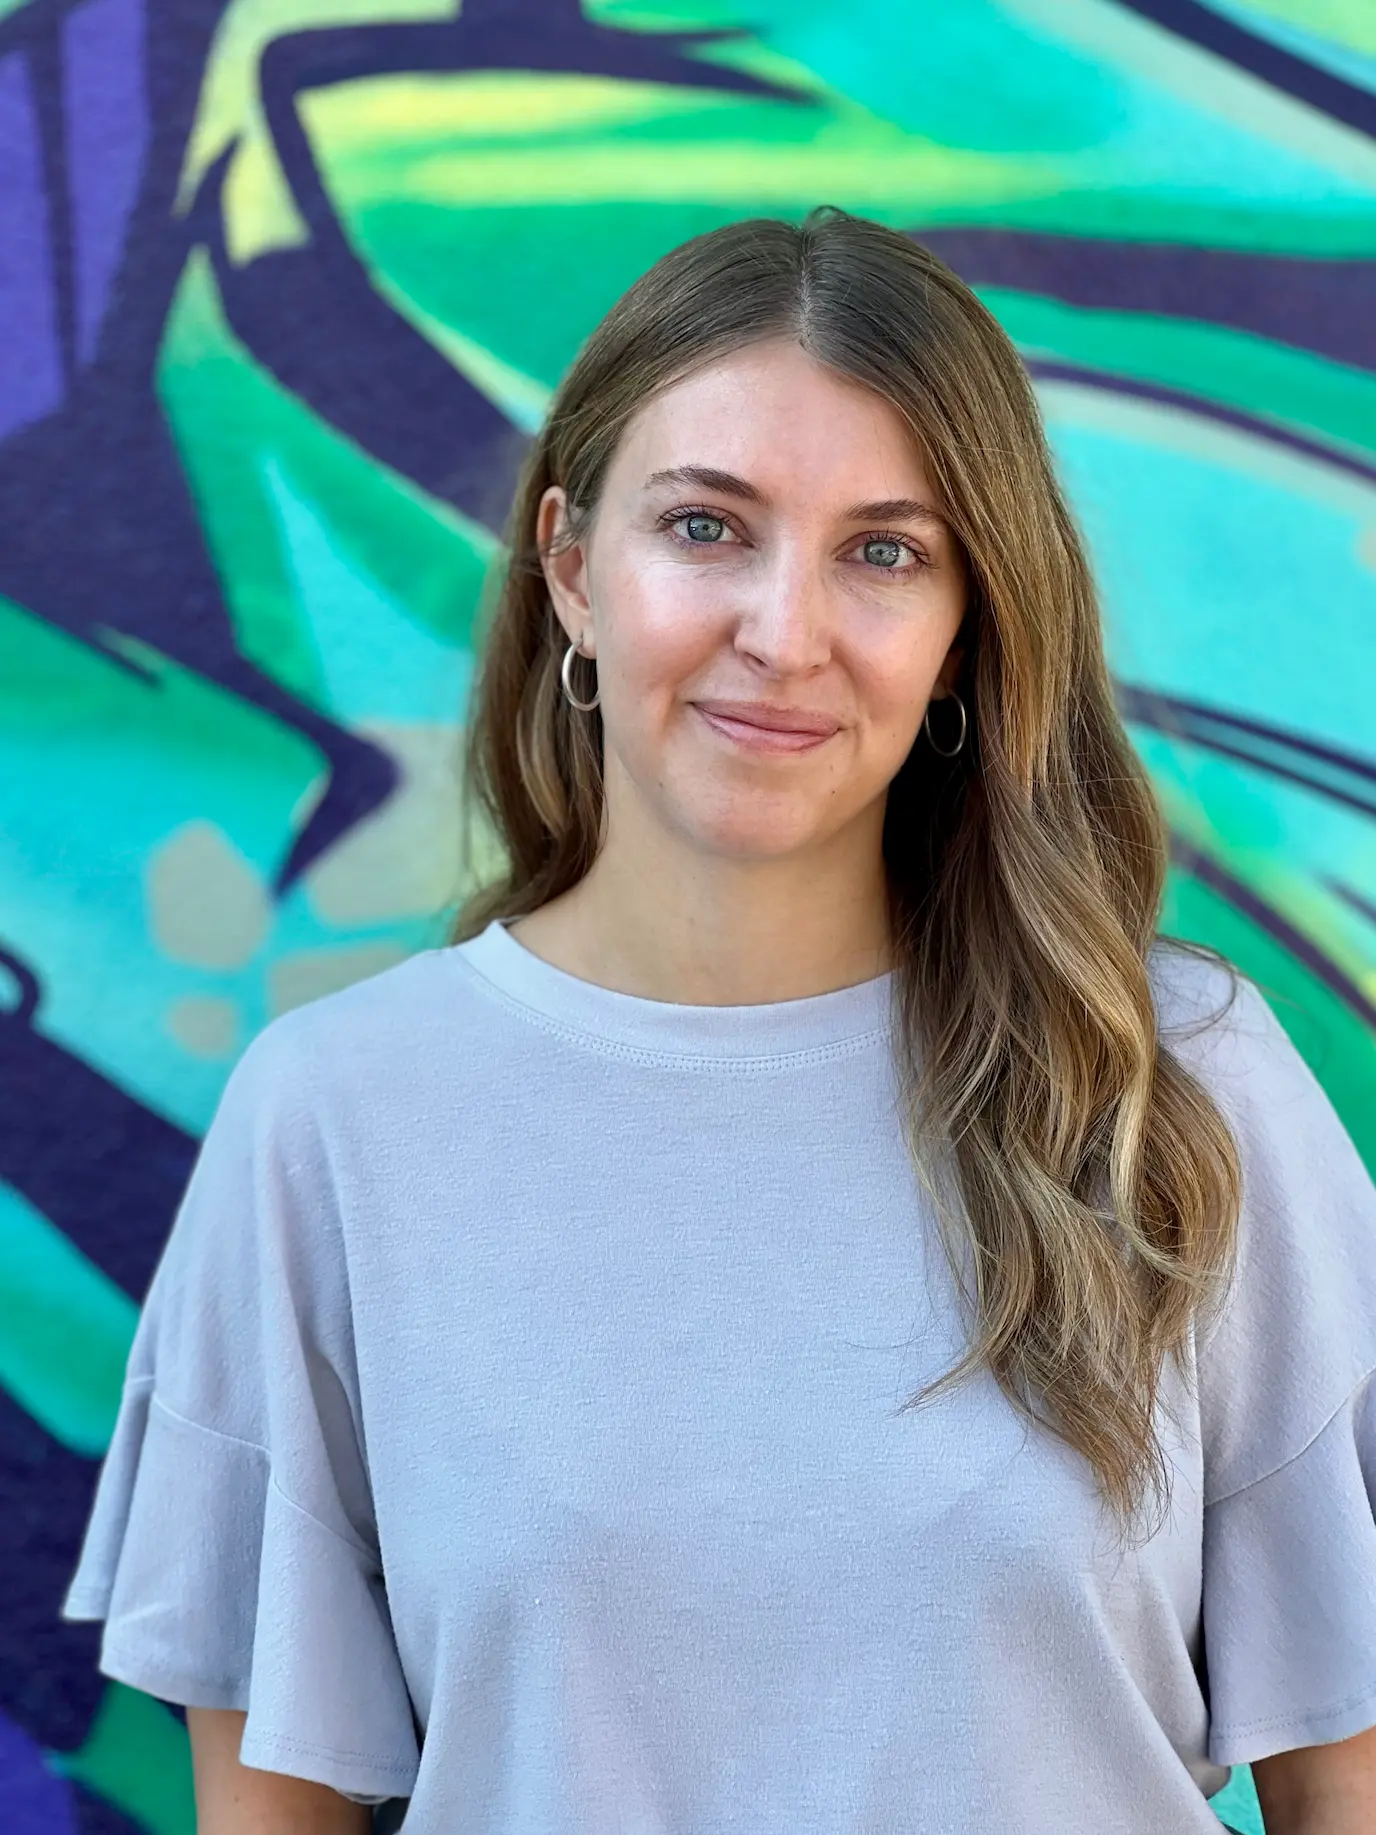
(784, 620)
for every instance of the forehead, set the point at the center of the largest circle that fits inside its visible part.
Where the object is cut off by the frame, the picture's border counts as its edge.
(771, 413)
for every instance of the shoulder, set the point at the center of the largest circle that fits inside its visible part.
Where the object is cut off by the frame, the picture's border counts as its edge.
(304, 1101)
(1297, 1330)
(379, 1034)
(1222, 1028)
(1196, 989)
(1217, 1022)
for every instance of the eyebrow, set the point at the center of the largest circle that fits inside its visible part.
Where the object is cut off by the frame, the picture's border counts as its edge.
(710, 478)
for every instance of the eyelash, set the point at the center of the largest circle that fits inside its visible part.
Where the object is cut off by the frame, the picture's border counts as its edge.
(671, 517)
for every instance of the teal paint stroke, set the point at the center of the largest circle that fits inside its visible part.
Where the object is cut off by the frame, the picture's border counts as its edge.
(376, 662)
(126, 758)
(1290, 844)
(1234, 572)
(1316, 48)
(1273, 383)
(1215, 552)
(1288, 135)
(1236, 1804)
(1003, 78)
(65, 1329)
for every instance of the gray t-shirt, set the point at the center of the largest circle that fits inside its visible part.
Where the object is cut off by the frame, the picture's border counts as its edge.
(514, 1425)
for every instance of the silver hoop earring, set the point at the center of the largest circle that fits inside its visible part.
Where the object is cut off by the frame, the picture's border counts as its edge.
(926, 727)
(582, 706)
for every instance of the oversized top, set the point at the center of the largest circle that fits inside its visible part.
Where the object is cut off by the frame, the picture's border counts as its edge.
(515, 1424)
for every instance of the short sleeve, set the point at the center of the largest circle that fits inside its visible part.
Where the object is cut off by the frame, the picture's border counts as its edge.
(232, 1549)
(1288, 1410)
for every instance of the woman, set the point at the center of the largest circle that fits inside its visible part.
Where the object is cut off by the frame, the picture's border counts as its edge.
(523, 1420)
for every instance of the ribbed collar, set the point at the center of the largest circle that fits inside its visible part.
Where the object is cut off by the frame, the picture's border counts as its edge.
(815, 1023)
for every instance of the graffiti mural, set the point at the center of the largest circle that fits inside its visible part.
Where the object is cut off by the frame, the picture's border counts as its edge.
(285, 287)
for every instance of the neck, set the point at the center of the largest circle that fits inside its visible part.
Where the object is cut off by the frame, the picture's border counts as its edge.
(669, 923)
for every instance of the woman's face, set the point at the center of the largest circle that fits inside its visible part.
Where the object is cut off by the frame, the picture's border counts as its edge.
(767, 540)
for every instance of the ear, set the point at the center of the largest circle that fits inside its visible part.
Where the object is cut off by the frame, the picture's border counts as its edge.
(565, 571)
(949, 670)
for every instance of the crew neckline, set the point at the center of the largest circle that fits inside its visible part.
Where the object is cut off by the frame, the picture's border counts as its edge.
(842, 1019)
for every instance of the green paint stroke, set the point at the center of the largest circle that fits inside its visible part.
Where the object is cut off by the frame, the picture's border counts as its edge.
(231, 420)
(1275, 382)
(527, 284)
(1346, 22)
(1325, 1031)
(504, 137)
(126, 754)
(65, 1329)
(137, 1757)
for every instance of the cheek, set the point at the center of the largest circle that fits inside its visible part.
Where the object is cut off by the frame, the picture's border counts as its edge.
(895, 682)
(661, 623)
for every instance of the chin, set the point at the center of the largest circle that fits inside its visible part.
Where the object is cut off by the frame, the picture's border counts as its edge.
(749, 839)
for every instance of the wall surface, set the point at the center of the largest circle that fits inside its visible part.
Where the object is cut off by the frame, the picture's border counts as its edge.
(284, 288)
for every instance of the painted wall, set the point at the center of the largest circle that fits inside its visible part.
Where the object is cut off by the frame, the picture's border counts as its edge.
(284, 288)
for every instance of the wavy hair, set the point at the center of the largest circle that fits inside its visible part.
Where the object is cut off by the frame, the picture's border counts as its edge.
(1086, 1185)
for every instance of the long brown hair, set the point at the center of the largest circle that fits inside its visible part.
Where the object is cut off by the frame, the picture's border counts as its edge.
(1089, 1179)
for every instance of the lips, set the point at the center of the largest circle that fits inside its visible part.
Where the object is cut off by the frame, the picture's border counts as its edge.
(770, 719)
(750, 736)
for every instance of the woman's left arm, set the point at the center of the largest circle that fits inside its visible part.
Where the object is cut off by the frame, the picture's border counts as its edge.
(1320, 1790)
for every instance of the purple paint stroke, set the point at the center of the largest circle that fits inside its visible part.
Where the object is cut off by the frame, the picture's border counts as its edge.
(37, 1802)
(1322, 304)
(1289, 739)
(108, 135)
(1262, 57)
(1243, 898)
(1115, 384)
(1340, 775)
(1273, 768)
(1352, 897)
(30, 361)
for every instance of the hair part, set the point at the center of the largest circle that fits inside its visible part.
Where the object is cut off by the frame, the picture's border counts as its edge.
(1086, 1185)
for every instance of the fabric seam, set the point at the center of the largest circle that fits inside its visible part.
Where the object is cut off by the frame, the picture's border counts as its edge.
(1226, 1727)
(216, 1433)
(1318, 1434)
(357, 1548)
(401, 1768)
(169, 1684)
(849, 1046)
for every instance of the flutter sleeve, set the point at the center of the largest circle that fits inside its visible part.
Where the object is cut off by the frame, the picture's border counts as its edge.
(232, 1549)
(1288, 1411)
